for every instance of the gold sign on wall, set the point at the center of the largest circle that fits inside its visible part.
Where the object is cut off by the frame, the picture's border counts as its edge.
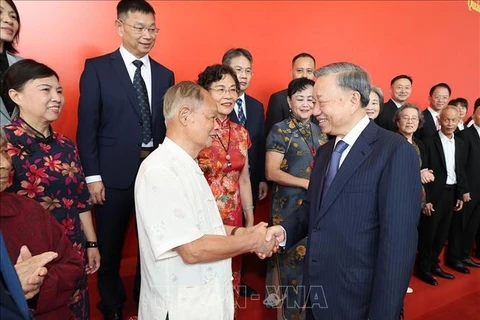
(474, 5)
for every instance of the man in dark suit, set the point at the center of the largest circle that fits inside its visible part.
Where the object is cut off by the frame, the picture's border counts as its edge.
(438, 97)
(466, 222)
(400, 90)
(444, 196)
(303, 65)
(361, 211)
(120, 121)
(249, 113)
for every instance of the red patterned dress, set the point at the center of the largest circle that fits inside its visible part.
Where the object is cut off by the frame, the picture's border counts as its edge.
(222, 164)
(48, 170)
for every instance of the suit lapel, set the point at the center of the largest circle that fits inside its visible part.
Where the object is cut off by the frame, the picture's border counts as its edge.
(325, 153)
(438, 144)
(155, 88)
(360, 151)
(248, 112)
(475, 135)
(122, 74)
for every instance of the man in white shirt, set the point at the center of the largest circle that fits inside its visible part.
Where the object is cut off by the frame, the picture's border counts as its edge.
(185, 249)
(438, 97)
(444, 196)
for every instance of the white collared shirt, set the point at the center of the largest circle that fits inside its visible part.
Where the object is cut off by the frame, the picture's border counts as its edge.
(397, 104)
(477, 127)
(461, 126)
(434, 115)
(352, 136)
(449, 152)
(174, 206)
(244, 105)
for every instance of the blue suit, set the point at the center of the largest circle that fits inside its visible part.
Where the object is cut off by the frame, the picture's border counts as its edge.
(362, 237)
(13, 305)
(256, 129)
(109, 140)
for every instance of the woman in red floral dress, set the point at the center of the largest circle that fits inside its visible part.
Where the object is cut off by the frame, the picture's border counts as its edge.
(46, 164)
(225, 163)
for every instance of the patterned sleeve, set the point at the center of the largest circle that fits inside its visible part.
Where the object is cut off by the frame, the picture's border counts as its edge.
(277, 141)
(83, 195)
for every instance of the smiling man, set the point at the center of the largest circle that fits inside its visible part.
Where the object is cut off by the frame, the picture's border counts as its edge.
(120, 121)
(362, 207)
(400, 89)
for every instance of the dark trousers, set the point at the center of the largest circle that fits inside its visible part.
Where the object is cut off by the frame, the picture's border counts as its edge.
(434, 230)
(112, 220)
(463, 231)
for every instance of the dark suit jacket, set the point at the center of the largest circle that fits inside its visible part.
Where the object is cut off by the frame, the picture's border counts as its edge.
(435, 160)
(472, 159)
(362, 237)
(429, 128)
(256, 129)
(385, 118)
(109, 134)
(277, 110)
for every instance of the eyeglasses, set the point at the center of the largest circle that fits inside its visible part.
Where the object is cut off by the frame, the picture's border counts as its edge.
(222, 91)
(438, 98)
(239, 70)
(139, 29)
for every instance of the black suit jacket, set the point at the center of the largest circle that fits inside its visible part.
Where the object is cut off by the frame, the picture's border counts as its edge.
(385, 118)
(256, 129)
(277, 110)
(435, 160)
(362, 235)
(472, 159)
(109, 131)
(429, 128)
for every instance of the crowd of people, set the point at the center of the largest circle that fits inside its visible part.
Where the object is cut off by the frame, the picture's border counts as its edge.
(358, 186)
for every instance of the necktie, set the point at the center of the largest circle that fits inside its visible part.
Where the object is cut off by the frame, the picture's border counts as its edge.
(142, 95)
(11, 280)
(241, 113)
(334, 164)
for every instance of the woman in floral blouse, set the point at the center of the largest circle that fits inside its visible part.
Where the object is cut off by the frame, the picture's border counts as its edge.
(291, 148)
(225, 163)
(46, 165)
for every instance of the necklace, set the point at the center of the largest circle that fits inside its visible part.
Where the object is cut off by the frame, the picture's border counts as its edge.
(311, 147)
(227, 148)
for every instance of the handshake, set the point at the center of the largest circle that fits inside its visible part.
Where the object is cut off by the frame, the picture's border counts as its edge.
(265, 239)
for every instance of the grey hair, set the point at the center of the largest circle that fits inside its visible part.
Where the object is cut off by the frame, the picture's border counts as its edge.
(349, 77)
(185, 92)
(399, 111)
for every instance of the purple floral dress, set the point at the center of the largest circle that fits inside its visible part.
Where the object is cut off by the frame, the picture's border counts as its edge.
(48, 170)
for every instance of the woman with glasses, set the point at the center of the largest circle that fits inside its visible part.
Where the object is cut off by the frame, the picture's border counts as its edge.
(46, 164)
(225, 163)
(10, 32)
(291, 148)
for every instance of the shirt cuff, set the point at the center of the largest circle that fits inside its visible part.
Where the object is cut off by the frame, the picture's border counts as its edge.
(284, 242)
(91, 179)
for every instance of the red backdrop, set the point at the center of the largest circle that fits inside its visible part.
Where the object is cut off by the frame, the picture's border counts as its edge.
(433, 41)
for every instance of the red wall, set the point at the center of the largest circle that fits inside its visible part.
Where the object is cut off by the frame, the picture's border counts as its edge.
(433, 41)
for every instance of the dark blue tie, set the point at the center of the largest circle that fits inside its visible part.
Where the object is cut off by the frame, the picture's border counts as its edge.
(11, 280)
(241, 113)
(333, 165)
(142, 95)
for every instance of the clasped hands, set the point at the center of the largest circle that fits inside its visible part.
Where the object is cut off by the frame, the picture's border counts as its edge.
(267, 239)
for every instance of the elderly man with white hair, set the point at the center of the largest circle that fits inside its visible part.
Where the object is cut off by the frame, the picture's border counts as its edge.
(185, 249)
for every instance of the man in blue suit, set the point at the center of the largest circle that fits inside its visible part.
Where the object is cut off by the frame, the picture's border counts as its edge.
(120, 121)
(362, 207)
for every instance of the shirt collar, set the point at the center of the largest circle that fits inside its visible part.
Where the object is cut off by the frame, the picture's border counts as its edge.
(177, 152)
(398, 104)
(433, 112)
(444, 137)
(355, 132)
(128, 58)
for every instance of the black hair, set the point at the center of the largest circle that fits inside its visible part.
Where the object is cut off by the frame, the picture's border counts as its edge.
(297, 85)
(125, 6)
(440, 85)
(236, 52)
(216, 73)
(401, 76)
(303, 55)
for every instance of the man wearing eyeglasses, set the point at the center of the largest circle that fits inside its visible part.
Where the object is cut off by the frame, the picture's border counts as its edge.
(438, 97)
(120, 121)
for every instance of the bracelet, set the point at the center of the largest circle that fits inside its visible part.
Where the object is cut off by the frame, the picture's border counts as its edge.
(91, 244)
(233, 231)
(248, 208)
